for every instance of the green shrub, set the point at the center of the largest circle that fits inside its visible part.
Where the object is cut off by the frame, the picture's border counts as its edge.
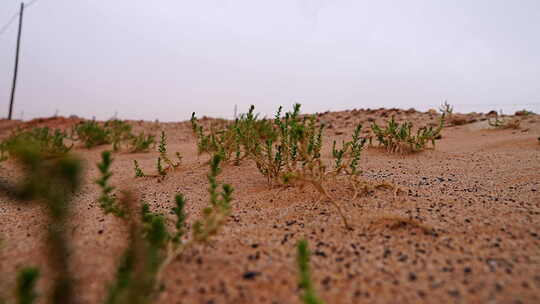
(400, 138)
(49, 142)
(286, 150)
(119, 131)
(91, 134)
(142, 142)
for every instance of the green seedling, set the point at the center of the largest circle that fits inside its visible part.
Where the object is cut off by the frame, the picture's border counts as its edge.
(213, 218)
(162, 148)
(136, 273)
(309, 296)
(26, 284)
(107, 201)
(138, 171)
(180, 218)
(152, 247)
(160, 169)
(216, 214)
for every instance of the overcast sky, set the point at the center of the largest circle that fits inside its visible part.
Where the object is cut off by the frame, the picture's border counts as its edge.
(166, 59)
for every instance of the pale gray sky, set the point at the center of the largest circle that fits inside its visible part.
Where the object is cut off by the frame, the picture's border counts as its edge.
(165, 59)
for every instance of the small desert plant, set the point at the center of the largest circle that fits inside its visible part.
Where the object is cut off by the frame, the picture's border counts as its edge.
(142, 142)
(91, 133)
(501, 123)
(309, 295)
(107, 201)
(159, 168)
(138, 171)
(354, 149)
(162, 148)
(400, 138)
(152, 247)
(52, 182)
(136, 273)
(216, 214)
(180, 218)
(286, 150)
(26, 284)
(119, 131)
(49, 142)
(222, 138)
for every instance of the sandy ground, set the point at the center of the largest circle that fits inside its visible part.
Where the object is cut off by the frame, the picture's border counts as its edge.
(478, 192)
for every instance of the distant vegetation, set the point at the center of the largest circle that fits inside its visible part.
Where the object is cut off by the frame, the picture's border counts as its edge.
(499, 122)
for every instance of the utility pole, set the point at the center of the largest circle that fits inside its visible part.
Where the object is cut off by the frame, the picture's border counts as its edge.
(16, 62)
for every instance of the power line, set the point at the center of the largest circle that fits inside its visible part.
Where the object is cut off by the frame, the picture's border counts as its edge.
(6, 26)
(14, 17)
(30, 4)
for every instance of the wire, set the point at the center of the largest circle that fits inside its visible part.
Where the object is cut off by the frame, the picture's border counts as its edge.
(5, 27)
(30, 3)
(14, 17)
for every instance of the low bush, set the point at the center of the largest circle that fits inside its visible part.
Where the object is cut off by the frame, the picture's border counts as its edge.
(400, 138)
(115, 132)
(49, 142)
(142, 142)
(119, 131)
(286, 149)
(91, 133)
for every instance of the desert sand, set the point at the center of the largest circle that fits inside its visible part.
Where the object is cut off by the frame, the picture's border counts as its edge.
(465, 227)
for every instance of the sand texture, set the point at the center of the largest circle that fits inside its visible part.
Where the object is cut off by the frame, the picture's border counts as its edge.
(464, 227)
